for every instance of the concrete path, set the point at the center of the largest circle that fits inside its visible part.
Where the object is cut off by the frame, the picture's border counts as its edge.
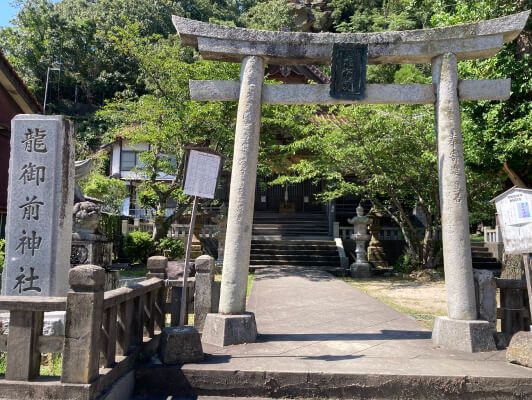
(319, 336)
(309, 320)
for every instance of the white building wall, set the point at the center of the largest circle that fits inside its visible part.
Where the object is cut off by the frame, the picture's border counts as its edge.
(115, 159)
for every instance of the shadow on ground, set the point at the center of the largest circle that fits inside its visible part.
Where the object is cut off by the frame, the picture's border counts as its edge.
(384, 334)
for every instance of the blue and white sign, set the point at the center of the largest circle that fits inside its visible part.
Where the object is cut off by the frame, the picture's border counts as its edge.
(515, 218)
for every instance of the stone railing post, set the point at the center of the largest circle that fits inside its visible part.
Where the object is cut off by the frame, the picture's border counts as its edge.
(203, 290)
(23, 356)
(157, 266)
(83, 323)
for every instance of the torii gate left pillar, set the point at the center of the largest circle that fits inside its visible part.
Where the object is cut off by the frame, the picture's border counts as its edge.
(232, 325)
(443, 48)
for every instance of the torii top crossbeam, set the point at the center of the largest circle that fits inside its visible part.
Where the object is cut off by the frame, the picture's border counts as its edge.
(477, 40)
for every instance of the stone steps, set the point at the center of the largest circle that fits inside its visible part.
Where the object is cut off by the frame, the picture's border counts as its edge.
(305, 253)
(282, 226)
(295, 251)
(483, 259)
(306, 244)
(289, 258)
(201, 382)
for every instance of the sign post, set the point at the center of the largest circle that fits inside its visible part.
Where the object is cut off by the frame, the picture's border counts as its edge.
(202, 171)
(515, 217)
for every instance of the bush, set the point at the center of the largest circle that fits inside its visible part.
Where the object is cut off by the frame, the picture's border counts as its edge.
(138, 246)
(174, 249)
(405, 264)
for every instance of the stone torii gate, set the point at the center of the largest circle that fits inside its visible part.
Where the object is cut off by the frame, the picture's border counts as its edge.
(442, 48)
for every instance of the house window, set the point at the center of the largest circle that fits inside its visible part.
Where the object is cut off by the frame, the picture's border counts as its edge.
(127, 160)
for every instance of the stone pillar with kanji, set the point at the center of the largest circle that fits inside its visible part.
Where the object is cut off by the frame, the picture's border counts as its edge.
(39, 211)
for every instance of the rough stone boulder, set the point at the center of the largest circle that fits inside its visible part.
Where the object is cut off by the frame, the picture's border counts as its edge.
(520, 349)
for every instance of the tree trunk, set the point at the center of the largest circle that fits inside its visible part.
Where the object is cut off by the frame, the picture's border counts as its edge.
(516, 180)
(160, 229)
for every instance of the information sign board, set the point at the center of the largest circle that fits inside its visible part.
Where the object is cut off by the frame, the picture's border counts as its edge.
(515, 219)
(202, 172)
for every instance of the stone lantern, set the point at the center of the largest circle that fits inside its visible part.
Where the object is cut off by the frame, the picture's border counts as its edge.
(361, 268)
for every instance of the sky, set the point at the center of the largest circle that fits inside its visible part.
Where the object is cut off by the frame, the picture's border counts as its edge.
(6, 12)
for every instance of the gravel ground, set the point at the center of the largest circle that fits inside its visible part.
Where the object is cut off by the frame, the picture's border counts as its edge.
(422, 300)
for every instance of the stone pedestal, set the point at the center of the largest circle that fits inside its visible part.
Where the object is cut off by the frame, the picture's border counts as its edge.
(225, 330)
(360, 270)
(94, 250)
(463, 335)
(180, 345)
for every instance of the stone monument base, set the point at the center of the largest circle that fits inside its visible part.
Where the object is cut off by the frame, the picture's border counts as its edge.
(520, 349)
(360, 270)
(180, 345)
(462, 335)
(91, 249)
(225, 330)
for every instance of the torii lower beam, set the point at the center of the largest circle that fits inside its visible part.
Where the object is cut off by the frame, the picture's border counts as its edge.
(441, 47)
(498, 89)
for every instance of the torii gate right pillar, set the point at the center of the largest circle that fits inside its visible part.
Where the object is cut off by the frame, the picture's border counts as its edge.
(461, 330)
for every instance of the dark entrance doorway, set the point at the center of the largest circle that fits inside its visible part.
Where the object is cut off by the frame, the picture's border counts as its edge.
(285, 199)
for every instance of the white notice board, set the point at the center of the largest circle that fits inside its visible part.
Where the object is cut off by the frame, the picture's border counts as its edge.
(515, 218)
(202, 174)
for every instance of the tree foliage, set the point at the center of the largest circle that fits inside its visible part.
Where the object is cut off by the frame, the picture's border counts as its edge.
(109, 190)
(166, 119)
(385, 154)
(497, 136)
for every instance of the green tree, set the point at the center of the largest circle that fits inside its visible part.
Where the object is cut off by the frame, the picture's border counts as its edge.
(111, 191)
(167, 120)
(497, 136)
(385, 154)
(271, 15)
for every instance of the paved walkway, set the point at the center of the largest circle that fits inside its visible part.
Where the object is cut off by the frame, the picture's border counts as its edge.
(310, 321)
(319, 336)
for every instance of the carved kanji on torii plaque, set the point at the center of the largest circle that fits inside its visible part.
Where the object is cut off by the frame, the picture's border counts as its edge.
(443, 48)
(348, 72)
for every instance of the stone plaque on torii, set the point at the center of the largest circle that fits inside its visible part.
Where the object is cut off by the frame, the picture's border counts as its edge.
(442, 48)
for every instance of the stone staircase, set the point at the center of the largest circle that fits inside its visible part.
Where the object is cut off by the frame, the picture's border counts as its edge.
(483, 259)
(321, 254)
(300, 239)
(276, 226)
